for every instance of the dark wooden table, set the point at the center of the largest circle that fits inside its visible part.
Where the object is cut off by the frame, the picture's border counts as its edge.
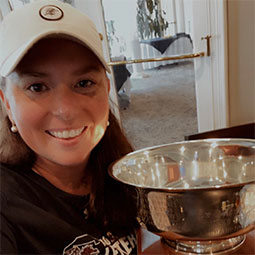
(151, 244)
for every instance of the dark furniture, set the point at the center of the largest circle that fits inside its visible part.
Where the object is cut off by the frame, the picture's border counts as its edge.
(242, 131)
(161, 44)
(121, 75)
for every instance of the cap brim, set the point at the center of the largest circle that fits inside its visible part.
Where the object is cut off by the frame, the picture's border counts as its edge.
(13, 60)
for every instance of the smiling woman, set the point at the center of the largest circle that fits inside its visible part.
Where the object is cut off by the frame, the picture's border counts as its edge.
(58, 137)
(64, 92)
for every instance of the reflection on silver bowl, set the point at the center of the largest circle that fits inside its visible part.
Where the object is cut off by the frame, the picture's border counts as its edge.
(198, 195)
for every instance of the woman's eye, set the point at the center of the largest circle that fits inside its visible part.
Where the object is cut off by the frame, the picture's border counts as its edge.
(85, 84)
(37, 87)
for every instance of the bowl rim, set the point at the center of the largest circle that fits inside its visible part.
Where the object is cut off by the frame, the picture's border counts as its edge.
(181, 190)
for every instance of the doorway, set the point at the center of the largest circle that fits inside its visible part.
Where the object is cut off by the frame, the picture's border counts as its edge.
(157, 99)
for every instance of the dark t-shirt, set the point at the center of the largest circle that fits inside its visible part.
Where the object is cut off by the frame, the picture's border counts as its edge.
(38, 218)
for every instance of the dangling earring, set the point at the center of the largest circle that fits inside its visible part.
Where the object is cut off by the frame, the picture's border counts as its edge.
(14, 128)
(108, 123)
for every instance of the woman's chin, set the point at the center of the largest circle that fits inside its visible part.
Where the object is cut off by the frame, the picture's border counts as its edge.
(66, 161)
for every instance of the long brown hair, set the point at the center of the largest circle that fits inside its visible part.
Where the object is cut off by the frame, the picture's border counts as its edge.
(112, 202)
(13, 150)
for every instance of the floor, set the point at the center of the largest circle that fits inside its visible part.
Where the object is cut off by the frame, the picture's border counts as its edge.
(162, 107)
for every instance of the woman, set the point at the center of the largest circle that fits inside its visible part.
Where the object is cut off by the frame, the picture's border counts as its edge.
(58, 137)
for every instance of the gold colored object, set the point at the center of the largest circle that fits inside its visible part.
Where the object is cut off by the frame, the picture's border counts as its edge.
(101, 37)
(136, 61)
(208, 41)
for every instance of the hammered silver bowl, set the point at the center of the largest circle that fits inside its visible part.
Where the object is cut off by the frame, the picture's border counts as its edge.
(199, 196)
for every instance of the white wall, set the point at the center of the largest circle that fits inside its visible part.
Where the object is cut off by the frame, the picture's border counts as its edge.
(180, 12)
(1, 16)
(241, 36)
(169, 7)
(123, 13)
(188, 17)
(5, 8)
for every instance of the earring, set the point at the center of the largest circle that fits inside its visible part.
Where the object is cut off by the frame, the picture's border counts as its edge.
(14, 129)
(108, 123)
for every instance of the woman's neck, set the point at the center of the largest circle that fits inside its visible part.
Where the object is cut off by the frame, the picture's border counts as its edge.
(71, 179)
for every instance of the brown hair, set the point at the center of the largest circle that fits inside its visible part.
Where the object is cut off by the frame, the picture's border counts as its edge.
(13, 150)
(112, 202)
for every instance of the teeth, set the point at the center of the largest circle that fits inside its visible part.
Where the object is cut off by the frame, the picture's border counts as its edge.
(67, 133)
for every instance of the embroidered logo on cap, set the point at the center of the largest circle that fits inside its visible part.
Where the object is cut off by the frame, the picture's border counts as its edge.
(51, 12)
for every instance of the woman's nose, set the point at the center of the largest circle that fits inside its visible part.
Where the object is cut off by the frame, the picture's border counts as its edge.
(64, 105)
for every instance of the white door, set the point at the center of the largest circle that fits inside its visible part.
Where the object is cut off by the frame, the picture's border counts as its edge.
(209, 18)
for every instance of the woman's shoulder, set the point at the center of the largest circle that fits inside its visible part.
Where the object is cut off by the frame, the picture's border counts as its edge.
(14, 182)
(9, 187)
(9, 176)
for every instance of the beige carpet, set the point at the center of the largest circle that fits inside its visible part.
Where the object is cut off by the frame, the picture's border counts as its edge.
(163, 106)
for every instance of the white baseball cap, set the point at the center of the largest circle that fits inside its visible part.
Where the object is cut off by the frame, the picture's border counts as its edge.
(23, 27)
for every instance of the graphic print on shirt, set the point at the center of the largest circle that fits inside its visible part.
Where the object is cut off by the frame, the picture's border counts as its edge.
(108, 245)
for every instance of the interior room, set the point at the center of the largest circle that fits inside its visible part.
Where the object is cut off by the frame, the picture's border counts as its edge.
(218, 91)
(180, 70)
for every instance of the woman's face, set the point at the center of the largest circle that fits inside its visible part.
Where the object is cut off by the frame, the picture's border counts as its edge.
(58, 99)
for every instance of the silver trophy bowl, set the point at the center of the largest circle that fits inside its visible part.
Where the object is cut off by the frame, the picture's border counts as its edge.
(199, 196)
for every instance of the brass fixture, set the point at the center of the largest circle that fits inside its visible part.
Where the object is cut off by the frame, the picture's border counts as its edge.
(208, 41)
(136, 61)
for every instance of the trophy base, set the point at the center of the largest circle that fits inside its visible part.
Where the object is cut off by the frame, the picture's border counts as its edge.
(219, 247)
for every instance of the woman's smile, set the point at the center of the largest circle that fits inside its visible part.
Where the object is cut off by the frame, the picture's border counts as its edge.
(67, 133)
